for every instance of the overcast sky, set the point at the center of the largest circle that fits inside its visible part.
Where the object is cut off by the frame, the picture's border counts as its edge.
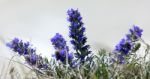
(106, 21)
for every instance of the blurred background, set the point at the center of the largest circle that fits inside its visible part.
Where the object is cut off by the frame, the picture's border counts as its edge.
(106, 22)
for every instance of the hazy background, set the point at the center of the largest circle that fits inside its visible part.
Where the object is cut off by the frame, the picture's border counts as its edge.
(106, 21)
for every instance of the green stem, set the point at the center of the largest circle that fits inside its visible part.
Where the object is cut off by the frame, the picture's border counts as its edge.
(8, 65)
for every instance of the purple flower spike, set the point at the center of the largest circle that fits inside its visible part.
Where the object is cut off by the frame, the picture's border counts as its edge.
(20, 47)
(24, 49)
(128, 45)
(77, 30)
(62, 49)
(134, 34)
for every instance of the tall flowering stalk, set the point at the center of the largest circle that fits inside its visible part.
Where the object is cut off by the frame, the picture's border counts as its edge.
(20, 47)
(77, 30)
(24, 49)
(128, 44)
(62, 50)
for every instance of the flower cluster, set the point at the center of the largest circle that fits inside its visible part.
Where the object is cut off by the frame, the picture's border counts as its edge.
(77, 34)
(25, 50)
(59, 44)
(20, 47)
(128, 45)
(37, 61)
(124, 46)
(134, 34)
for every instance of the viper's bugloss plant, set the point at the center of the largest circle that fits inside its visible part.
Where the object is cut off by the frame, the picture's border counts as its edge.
(77, 34)
(128, 44)
(24, 49)
(86, 65)
(20, 47)
(62, 50)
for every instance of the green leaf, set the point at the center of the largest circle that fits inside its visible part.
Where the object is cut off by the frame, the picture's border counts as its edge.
(137, 46)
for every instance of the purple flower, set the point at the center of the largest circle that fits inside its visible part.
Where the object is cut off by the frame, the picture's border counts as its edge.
(58, 42)
(61, 55)
(70, 56)
(62, 49)
(134, 34)
(20, 47)
(77, 34)
(128, 45)
(121, 59)
(32, 59)
(24, 49)
(124, 47)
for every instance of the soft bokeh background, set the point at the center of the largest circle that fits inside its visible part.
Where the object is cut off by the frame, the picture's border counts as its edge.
(106, 21)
